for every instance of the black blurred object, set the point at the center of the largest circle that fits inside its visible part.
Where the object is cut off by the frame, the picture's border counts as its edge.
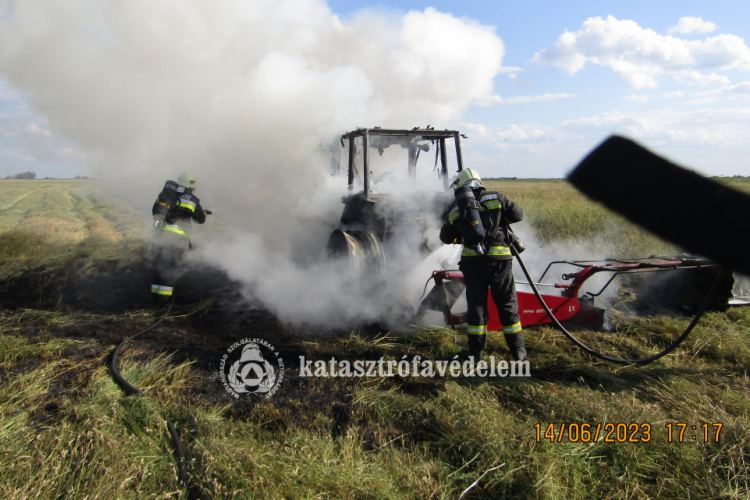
(207, 212)
(515, 242)
(703, 216)
(677, 292)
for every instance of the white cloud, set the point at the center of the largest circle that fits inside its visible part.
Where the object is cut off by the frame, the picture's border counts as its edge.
(637, 98)
(713, 141)
(692, 25)
(740, 88)
(604, 119)
(31, 128)
(730, 92)
(646, 98)
(678, 128)
(692, 77)
(12, 130)
(520, 133)
(69, 153)
(476, 129)
(721, 52)
(522, 99)
(640, 56)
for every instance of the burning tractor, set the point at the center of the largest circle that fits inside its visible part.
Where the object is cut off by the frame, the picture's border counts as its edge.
(389, 209)
(390, 219)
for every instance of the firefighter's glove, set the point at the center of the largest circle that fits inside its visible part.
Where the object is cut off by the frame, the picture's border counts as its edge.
(207, 212)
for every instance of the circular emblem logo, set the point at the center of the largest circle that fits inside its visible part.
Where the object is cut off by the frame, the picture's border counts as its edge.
(254, 369)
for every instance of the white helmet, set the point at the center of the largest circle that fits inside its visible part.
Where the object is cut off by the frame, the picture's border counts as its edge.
(187, 179)
(465, 178)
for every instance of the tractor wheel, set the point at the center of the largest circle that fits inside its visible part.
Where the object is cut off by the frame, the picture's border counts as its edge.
(361, 251)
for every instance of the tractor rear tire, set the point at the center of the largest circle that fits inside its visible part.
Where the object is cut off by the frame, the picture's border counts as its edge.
(362, 252)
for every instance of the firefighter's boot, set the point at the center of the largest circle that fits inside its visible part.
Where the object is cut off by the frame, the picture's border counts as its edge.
(465, 354)
(477, 344)
(516, 345)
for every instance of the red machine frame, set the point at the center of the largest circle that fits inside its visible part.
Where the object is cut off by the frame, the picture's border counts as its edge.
(566, 306)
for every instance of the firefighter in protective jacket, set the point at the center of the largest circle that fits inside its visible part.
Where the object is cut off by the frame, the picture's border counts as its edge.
(174, 211)
(487, 265)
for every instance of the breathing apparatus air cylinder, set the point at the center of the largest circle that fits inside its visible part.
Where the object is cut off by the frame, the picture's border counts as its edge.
(470, 220)
(166, 203)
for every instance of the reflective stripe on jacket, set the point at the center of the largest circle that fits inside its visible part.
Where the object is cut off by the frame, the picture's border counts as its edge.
(494, 206)
(174, 228)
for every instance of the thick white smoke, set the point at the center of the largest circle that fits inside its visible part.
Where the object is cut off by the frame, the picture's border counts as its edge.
(540, 255)
(242, 93)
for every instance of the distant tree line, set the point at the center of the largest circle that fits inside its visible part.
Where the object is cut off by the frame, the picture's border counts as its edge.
(24, 175)
(32, 175)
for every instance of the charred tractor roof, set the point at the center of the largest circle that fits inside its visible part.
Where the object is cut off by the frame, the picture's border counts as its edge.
(414, 140)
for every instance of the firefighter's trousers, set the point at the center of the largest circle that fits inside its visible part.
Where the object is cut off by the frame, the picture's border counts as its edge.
(480, 275)
(167, 252)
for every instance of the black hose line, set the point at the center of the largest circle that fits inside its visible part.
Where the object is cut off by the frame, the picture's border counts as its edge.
(592, 352)
(134, 390)
(178, 447)
(122, 344)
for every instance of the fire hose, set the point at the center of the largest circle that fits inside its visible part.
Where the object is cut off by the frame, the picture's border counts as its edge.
(591, 351)
(134, 390)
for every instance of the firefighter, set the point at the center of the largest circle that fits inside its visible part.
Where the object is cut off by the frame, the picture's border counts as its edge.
(487, 266)
(174, 211)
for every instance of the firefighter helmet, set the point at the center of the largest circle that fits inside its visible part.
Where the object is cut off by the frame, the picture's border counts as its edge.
(187, 179)
(465, 177)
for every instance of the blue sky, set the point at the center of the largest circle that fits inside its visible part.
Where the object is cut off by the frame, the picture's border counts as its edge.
(527, 28)
(572, 73)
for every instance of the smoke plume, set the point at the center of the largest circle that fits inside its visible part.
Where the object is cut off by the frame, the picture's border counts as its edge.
(243, 93)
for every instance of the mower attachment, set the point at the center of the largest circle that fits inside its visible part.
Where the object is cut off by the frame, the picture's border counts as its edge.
(566, 306)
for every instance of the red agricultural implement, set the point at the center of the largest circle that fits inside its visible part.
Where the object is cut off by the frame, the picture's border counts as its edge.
(572, 304)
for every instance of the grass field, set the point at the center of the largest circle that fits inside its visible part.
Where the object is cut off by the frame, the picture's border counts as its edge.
(59, 224)
(68, 431)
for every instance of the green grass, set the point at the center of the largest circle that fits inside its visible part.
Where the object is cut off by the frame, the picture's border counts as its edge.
(399, 442)
(68, 431)
(65, 227)
(559, 213)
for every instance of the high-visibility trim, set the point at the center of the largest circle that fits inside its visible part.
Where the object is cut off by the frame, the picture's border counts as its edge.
(453, 215)
(499, 250)
(175, 229)
(490, 201)
(187, 204)
(494, 251)
(476, 329)
(162, 290)
(514, 328)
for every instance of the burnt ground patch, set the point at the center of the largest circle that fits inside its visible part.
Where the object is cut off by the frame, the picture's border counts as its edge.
(204, 322)
(110, 287)
(208, 316)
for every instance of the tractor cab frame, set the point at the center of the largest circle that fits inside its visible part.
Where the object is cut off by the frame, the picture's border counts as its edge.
(373, 222)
